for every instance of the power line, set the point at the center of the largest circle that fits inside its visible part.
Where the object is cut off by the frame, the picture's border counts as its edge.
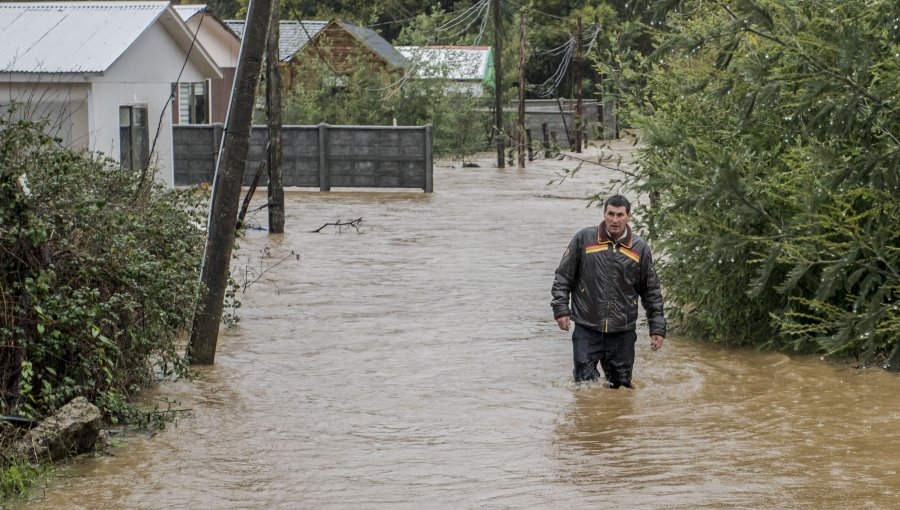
(510, 10)
(532, 9)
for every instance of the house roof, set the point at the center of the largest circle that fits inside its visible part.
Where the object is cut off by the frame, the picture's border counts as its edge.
(189, 11)
(292, 34)
(460, 63)
(83, 37)
(376, 43)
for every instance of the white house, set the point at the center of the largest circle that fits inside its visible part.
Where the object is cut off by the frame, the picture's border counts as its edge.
(207, 101)
(466, 69)
(101, 74)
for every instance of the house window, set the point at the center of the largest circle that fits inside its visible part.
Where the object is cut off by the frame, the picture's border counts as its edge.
(134, 137)
(193, 103)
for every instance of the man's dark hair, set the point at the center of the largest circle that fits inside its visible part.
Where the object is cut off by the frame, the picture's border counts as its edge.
(618, 201)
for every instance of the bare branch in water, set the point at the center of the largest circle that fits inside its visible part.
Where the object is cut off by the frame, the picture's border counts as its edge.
(354, 223)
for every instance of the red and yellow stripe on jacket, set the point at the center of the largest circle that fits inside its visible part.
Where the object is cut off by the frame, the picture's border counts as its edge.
(628, 252)
(605, 243)
(594, 248)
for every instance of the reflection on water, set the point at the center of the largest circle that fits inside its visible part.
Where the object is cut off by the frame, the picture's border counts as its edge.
(416, 365)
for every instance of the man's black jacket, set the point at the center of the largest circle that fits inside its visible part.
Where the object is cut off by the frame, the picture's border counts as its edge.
(604, 279)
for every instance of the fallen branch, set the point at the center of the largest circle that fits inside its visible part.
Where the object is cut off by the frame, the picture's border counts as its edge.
(354, 223)
(250, 192)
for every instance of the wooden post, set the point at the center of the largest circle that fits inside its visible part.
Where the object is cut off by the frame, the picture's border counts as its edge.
(529, 144)
(520, 132)
(498, 84)
(545, 138)
(249, 196)
(562, 114)
(511, 144)
(227, 188)
(429, 159)
(275, 151)
(579, 120)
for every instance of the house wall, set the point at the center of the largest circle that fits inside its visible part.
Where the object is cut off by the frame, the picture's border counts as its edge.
(143, 75)
(105, 120)
(220, 95)
(224, 48)
(63, 105)
(153, 58)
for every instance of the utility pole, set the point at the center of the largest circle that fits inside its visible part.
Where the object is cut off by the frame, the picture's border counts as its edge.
(520, 132)
(579, 120)
(274, 150)
(498, 86)
(226, 192)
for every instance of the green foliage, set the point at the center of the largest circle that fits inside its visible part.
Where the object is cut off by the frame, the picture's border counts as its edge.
(18, 476)
(369, 95)
(98, 276)
(771, 134)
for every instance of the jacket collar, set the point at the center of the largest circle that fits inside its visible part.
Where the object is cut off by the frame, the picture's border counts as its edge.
(603, 236)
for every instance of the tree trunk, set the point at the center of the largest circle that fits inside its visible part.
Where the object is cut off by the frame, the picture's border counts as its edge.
(498, 85)
(227, 187)
(275, 153)
(520, 132)
(579, 118)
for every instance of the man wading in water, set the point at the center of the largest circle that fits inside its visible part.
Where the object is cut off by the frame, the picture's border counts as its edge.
(604, 270)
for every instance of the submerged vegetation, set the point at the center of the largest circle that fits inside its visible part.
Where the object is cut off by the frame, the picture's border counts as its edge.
(772, 138)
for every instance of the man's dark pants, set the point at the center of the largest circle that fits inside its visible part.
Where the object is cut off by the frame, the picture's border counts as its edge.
(614, 352)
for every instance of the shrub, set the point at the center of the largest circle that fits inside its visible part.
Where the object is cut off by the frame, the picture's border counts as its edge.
(98, 276)
(772, 140)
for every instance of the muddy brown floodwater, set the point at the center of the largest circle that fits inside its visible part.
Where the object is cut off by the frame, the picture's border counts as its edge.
(416, 364)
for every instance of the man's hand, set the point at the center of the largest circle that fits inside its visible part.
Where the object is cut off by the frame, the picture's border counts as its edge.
(564, 323)
(656, 342)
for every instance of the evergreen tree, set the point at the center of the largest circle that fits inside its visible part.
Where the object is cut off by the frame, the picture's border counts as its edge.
(771, 135)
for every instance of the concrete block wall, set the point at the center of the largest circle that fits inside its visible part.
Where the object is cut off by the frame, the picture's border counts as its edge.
(320, 156)
(194, 149)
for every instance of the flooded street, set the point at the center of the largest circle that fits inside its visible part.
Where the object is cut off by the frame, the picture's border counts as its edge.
(416, 364)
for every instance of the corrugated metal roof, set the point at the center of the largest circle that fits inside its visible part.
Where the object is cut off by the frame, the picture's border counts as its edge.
(70, 37)
(377, 43)
(449, 62)
(292, 34)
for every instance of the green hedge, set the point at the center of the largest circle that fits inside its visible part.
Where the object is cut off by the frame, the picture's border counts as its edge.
(772, 139)
(98, 276)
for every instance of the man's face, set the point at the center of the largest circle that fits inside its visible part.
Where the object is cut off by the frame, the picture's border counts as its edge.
(616, 218)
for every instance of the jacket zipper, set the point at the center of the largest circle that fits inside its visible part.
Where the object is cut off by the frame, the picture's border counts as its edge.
(606, 311)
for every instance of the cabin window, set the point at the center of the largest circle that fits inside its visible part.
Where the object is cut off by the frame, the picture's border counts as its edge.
(134, 137)
(193, 103)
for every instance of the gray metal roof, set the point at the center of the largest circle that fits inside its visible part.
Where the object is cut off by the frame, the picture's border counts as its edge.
(377, 43)
(71, 37)
(465, 63)
(292, 34)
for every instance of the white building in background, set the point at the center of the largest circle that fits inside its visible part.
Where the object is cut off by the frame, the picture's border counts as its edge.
(207, 101)
(101, 74)
(466, 69)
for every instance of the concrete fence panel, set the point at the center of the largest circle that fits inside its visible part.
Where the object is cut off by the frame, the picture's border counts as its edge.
(322, 156)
